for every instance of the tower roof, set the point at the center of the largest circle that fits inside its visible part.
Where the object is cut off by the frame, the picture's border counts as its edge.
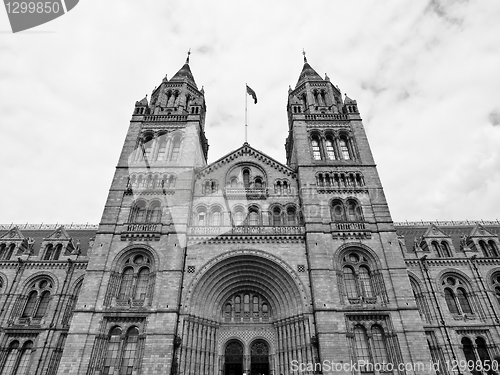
(308, 74)
(184, 74)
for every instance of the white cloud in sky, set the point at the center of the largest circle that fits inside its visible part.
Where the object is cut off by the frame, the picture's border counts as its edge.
(424, 73)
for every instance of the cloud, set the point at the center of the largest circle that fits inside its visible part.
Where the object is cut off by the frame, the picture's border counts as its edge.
(494, 118)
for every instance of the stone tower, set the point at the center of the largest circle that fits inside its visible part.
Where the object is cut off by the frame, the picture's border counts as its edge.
(130, 301)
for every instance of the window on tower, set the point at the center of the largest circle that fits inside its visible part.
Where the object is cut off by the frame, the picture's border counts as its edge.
(344, 148)
(316, 148)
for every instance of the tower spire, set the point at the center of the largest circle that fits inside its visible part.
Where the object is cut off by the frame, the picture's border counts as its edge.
(187, 58)
(304, 53)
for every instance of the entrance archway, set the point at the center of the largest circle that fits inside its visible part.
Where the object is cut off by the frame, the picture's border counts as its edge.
(259, 358)
(233, 358)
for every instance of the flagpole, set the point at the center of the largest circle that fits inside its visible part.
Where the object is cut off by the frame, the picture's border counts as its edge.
(246, 123)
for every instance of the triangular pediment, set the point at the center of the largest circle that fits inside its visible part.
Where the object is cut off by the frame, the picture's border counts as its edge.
(59, 234)
(480, 231)
(434, 232)
(244, 153)
(12, 235)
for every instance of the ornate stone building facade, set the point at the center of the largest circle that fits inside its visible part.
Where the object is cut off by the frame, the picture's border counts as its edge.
(247, 264)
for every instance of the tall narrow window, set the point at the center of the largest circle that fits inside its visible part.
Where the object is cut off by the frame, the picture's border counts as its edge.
(142, 284)
(246, 303)
(246, 178)
(176, 148)
(57, 252)
(112, 352)
(129, 351)
(365, 281)
(329, 149)
(30, 304)
(148, 146)
(350, 282)
(379, 347)
(216, 217)
(468, 350)
(139, 212)
(11, 360)
(361, 345)
(154, 213)
(450, 301)
(353, 211)
(446, 248)
(437, 249)
(237, 304)
(344, 149)
(255, 304)
(258, 183)
(49, 250)
(238, 216)
(315, 148)
(482, 351)
(126, 284)
(493, 248)
(463, 301)
(253, 216)
(24, 360)
(291, 216)
(162, 149)
(2, 250)
(277, 219)
(42, 305)
(338, 211)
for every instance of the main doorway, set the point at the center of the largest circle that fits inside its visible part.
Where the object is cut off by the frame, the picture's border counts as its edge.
(233, 361)
(259, 358)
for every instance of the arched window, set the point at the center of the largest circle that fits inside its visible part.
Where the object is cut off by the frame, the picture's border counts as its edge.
(57, 252)
(315, 148)
(201, 219)
(446, 248)
(253, 216)
(112, 351)
(234, 182)
(330, 153)
(134, 283)
(29, 308)
(291, 216)
(129, 351)
(49, 250)
(423, 307)
(338, 213)
(126, 283)
(253, 306)
(484, 248)
(350, 282)
(246, 303)
(468, 350)
(496, 286)
(354, 211)
(10, 362)
(437, 249)
(42, 305)
(361, 345)
(24, 359)
(148, 146)
(10, 251)
(138, 214)
(142, 284)
(238, 216)
(246, 178)
(2, 250)
(482, 352)
(258, 183)
(379, 345)
(162, 149)
(456, 296)
(277, 218)
(154, 213)
(176, 149)
(493, 248)
(237, 304)
(451, 301)
(344, 148)
(216, 217)
(365, 281)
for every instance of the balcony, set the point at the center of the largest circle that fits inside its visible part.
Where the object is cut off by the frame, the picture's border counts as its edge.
(247, 230)
(350, 230)
(242, 193)
(141, 231)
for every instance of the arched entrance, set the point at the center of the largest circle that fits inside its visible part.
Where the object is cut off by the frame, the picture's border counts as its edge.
(259, 358)
(233, 358)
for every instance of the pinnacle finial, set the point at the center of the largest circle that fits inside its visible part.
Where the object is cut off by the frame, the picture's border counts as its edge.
(187, 58)
(304, 53)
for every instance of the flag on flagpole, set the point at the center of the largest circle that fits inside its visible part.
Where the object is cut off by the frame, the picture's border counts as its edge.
(252, 94)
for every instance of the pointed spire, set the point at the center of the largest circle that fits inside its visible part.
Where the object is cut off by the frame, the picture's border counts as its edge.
(308, 73)
(184, 74)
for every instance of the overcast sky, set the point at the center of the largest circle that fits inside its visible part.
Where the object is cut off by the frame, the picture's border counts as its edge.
(426, 75)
